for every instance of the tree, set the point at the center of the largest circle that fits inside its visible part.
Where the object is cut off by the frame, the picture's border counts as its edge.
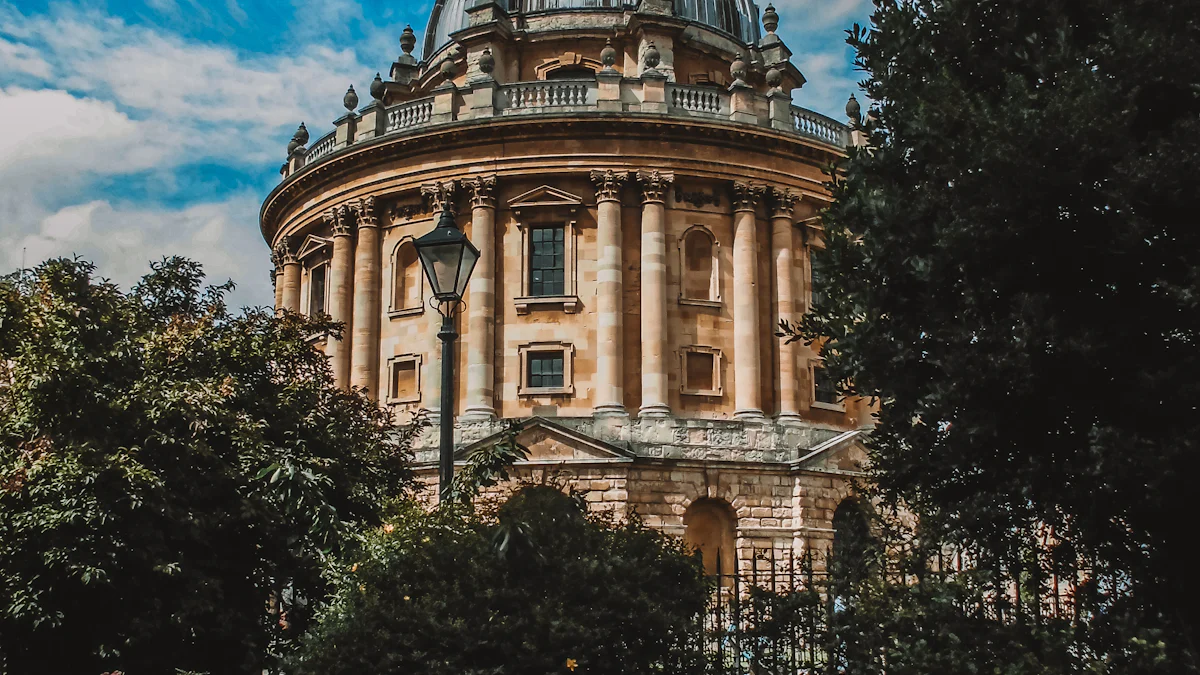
(1014, 271)
(539, 586)
(172, 478)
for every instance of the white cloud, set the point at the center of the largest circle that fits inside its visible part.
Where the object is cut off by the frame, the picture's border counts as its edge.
(813, 14)
(16, 57)
(829, 84)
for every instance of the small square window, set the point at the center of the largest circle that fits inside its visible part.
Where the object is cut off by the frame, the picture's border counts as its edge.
(701, 368)
(825, 391)
(404, 379)
(547, 261)
(545, 369)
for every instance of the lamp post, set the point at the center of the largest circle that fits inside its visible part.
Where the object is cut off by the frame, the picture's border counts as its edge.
(448, 258)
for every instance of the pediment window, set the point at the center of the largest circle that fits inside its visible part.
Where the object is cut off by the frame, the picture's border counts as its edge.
(548, 221)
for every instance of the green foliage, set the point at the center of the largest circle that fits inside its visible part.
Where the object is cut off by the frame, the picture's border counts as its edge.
(1014, 271)
(172, 477)
(519, 591)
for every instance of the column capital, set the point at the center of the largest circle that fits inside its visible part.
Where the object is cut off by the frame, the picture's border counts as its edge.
(783, 202)
(340, 220)
(365, 211)
(654, 185)
(441, 194)
(285, 253)
(608, 184)
(482, 190)
(746, 196)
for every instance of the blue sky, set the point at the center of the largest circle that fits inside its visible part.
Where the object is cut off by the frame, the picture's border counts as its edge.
(134, 129)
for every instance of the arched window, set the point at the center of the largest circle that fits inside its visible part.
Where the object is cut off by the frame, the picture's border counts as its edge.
(698, 262)
(407, 279)
(710, 528)
(853, 543)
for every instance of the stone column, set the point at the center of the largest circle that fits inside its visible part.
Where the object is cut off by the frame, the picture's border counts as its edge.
(341, 295)
(481, 302)
(783, 247)
(291, 276)
(277, 280)
(608, 397)
(368, 288)
(654, 292)
(747, 365)
(441, 196)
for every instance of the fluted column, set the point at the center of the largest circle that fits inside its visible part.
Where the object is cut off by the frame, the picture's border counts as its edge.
(341, 292)
(747, 365)
(481, 302)
(609, 393)
(654, 292)
(368, 287)
(441, 195)
(783, 246)
(290, 295)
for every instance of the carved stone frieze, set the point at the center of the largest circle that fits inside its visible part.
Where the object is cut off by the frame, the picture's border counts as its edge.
(696, 198)
(746, 196)
(654, 185)
(482, 191)
(609, 184)
(408, 211)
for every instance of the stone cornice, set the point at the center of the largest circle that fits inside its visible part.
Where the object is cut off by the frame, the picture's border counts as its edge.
(458, 134)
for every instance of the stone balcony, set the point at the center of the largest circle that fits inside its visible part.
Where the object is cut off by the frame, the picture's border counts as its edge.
(607, 94)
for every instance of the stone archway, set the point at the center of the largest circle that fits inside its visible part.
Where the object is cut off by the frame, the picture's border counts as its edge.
(710, 527)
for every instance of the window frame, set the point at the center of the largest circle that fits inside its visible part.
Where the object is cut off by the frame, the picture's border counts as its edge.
(524, 352)
(309, 272)
(392, 398)
(394, 310)
(714, 283)
(569, 300)
(685, 389)
(813, 367)
(558, 237)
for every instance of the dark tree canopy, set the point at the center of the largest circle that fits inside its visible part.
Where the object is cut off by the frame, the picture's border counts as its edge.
(538, 587)
(1013, 268)
(172, 478)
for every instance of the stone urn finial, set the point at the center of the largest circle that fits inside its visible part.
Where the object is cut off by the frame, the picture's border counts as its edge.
(608, 55)
(447, 68)
(652, 57)
(350, 100)
(775, 78)
(378, 89)
(301, 135)
(738, 69)
(853, 109)
(487, 62)
(770, 19)
(408, 40)
(292, 145)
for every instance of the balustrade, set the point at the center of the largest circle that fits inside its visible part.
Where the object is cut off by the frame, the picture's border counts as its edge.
(813, 125)
(549, 94)
(322, 147)
(411, 114)
(699, 100)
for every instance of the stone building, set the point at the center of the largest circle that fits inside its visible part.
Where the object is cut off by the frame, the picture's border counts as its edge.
(644, 195)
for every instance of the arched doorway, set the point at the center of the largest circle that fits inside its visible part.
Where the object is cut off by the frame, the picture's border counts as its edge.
(853, 542)
(711, 526)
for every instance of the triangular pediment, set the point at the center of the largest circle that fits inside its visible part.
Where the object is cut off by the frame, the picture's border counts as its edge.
(552, 443)
(312, 244)
(545, 197)
(843, 453)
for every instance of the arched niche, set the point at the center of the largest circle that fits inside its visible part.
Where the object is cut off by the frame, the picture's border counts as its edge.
(710, 527)
(699, 257)
(408, 281)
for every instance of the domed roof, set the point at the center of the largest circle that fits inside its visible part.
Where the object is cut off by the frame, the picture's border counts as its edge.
(738, 18)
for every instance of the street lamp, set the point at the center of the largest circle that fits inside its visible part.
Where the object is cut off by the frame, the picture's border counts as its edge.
(448, 258)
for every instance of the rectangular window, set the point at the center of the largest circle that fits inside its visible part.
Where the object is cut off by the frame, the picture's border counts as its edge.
(546, 370)
(316, 290)
(700, 370)
(825, 389)
(547, 268)
(404, 381)
(816, 286)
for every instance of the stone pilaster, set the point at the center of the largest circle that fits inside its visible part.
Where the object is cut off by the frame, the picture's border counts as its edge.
(654, 187)
(368, 288)
(609, 392)
(286, 253)
(747, 364)
(341, 296)
(783, 302)
(481, 301)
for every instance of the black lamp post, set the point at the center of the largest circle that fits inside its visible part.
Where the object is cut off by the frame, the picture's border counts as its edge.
(448, 258)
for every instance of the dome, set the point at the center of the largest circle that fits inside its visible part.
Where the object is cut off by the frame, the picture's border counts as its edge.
(738, 18)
